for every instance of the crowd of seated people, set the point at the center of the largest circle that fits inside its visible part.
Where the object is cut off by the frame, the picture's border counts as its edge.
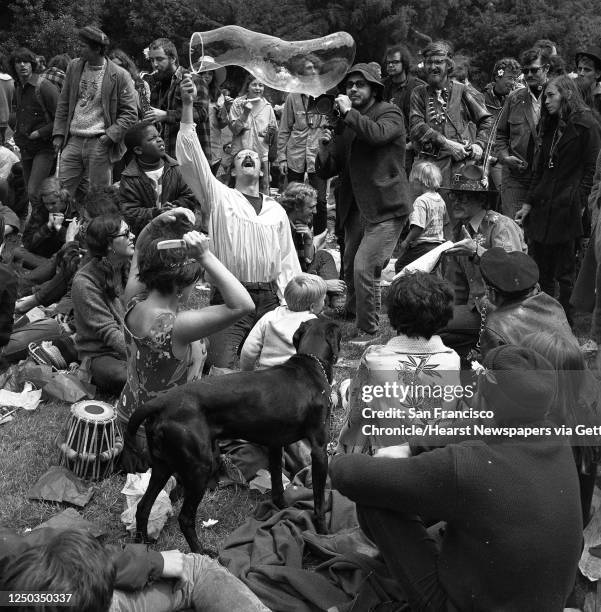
(118, 303)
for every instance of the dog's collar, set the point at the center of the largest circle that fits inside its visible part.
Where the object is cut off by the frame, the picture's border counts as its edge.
(323, 370)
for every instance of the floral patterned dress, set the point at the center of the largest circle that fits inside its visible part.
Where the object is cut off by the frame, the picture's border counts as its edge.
(152, 367)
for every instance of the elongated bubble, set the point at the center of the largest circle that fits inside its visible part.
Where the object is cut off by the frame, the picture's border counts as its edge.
(305, 66)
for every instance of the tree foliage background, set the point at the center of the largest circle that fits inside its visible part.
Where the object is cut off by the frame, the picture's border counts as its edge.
(485, 29)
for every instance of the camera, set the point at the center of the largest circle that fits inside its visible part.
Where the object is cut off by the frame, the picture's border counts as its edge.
(324, 105)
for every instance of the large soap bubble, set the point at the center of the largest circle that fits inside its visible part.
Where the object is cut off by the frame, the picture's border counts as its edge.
(277, 63)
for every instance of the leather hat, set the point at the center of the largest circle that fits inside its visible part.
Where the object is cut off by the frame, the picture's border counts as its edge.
(593, 53)
(368, 72)
(94, 35)
(512, 272)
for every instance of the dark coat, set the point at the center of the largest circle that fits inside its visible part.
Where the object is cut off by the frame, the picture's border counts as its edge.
(118, 104)
(369, 156)
(138, 197)
(559, 194)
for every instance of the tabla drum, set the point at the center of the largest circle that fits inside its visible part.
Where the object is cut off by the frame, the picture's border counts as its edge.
(91, 440)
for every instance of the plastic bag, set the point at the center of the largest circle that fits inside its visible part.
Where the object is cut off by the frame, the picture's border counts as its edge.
(134, 489)
(69, 388)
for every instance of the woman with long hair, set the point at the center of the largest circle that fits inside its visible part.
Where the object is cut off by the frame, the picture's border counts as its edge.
(253, 124)
(577, 403)
(218, 116)
(165, 343)
(563, 176)
(97, 294)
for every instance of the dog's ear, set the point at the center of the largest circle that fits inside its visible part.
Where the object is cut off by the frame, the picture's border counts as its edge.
(333, 337)
(299, 333)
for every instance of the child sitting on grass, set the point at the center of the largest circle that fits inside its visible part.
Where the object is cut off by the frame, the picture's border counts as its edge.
(270, 340)
(429, 216)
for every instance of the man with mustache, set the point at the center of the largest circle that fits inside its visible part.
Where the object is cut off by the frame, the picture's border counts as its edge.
(441, 113)
(250, 231)
(367, 152)
(517, 137)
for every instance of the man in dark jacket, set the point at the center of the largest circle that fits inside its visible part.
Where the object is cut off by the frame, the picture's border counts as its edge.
(517, 305)
(398, 86)
(95, 108)
(166, 101)
(152, 181)
(513, 532)
(368, 154)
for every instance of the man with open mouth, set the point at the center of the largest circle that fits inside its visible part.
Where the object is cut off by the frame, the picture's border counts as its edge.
(250, 231)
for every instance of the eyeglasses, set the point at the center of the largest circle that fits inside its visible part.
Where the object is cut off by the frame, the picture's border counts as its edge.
(532, 69)
(125, 234)
(357, 84)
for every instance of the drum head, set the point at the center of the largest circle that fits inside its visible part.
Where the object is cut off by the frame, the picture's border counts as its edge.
(93, 411)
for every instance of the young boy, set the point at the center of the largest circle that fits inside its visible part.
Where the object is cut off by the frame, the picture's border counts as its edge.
(152, 181)
(270, 340)
(428, 218)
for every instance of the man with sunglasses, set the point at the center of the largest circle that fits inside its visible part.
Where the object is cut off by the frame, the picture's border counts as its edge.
(517, 137)
(367, 152)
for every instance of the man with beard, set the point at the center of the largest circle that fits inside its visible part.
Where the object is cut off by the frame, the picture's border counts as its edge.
(368, 155)
(95, 108)
(165, 97)
(250, 232)
(398, 87)
(517, 137)
(441, 113)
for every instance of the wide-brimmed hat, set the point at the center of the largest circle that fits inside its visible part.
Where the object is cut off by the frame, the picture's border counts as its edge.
(94, 35)
(593, 53)
(208, 64)
(368, 72)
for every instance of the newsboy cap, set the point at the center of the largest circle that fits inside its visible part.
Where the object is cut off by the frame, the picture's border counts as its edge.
(368, 72)
(94, 35)
(512, 272)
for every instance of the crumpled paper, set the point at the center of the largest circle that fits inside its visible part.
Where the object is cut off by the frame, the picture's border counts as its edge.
(58, 484)
(262, 481)
(134, 489)
(29, 398)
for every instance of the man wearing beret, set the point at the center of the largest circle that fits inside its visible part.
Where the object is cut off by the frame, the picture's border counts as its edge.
(367, 152)
(513, 532)
(517, 306)
(95, 108)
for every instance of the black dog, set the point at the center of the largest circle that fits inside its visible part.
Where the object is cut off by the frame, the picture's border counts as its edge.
(272, 407)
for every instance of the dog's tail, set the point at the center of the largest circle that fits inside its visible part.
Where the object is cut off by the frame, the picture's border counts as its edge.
(133, 458)
(141, 414)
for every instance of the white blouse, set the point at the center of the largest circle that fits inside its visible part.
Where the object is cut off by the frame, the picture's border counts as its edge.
(254, 247)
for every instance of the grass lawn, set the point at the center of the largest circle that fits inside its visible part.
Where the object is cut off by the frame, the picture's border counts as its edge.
(28, 448)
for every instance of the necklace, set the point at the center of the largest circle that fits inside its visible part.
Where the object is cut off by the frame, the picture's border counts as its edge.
(556, 138)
